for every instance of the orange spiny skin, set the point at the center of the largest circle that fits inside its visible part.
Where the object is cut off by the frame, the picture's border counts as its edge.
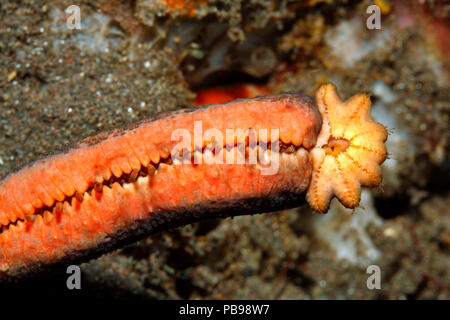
(80, 224)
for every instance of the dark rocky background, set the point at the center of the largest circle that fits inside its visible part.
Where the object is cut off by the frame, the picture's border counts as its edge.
(135, 59)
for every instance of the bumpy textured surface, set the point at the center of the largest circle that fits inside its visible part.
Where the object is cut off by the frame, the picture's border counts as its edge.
(348, 152)
(115, 183)
(117, 187)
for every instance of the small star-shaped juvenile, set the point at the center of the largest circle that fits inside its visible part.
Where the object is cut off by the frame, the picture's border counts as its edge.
(348, 152)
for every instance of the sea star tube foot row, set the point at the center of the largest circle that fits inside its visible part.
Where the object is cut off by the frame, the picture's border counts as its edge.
(117, 187)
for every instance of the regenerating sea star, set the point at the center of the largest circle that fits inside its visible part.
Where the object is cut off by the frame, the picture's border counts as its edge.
(348, 152)
(117, 187)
